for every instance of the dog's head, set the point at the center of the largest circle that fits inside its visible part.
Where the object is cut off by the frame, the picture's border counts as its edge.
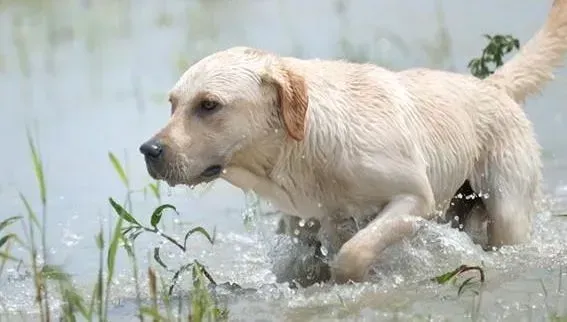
(220, 106)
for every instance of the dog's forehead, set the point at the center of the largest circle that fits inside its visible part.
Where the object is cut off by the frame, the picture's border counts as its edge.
(219, 71)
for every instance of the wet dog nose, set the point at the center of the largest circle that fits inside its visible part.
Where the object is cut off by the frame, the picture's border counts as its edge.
(151, 148)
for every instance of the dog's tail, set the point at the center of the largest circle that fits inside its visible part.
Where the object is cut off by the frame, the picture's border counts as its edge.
(533, 66)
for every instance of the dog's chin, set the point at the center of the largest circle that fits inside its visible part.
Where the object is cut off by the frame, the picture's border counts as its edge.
(152, 172)
(173, 178)
(209, 174)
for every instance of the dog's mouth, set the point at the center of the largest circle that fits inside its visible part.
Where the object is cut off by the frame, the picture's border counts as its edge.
(209, 174)
(212, 172)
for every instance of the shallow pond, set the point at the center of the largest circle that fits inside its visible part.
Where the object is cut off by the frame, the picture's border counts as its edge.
(89, 77)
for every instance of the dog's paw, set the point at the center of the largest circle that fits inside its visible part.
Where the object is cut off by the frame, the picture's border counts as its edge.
(351, 264)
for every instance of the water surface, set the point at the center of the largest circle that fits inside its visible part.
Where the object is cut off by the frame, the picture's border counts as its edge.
(89, 77)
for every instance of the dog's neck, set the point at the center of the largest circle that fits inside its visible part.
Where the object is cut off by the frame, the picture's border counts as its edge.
(253, 167)
(260, 156)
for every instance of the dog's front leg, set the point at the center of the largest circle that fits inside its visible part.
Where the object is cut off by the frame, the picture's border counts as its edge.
(265, 188)
(397, 220)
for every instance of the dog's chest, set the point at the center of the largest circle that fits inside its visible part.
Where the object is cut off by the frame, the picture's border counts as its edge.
(324, 197)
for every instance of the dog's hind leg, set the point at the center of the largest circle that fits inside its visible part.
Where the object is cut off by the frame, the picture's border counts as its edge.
(509, 181)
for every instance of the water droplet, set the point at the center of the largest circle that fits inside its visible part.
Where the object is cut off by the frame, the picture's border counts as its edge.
(319, 205)
(324, 251)
(223, 171)
(192, 187)
(310, 224)
(301, 222)
(296, 232)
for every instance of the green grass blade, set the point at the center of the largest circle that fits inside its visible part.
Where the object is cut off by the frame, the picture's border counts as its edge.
(119, 169)
(112, 250)
(55, 273)
(74, 300)
(31, 214)
(38, 169)
(99, 241)
(175, 277)
(7, 222)
(6, 238)
(94, 297)
(122, 213)
(111, 261)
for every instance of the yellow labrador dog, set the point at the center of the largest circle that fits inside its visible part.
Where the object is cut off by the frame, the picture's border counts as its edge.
(334, 140)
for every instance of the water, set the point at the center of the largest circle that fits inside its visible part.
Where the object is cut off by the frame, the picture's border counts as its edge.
(89, 77)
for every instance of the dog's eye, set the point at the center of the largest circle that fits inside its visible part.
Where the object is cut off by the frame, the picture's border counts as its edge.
(173, 105)
(208, 105)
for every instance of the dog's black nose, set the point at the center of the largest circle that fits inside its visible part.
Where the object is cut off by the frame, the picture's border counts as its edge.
(151, 148)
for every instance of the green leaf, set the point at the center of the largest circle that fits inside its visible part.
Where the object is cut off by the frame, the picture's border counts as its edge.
(5, 239)
(157, 257)
(120, 211)
(444, 278)
(119, 169)
(156, 215)
(7, 222)
(200, 230)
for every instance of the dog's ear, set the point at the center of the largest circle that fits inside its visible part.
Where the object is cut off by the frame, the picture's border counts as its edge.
(292, 99)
